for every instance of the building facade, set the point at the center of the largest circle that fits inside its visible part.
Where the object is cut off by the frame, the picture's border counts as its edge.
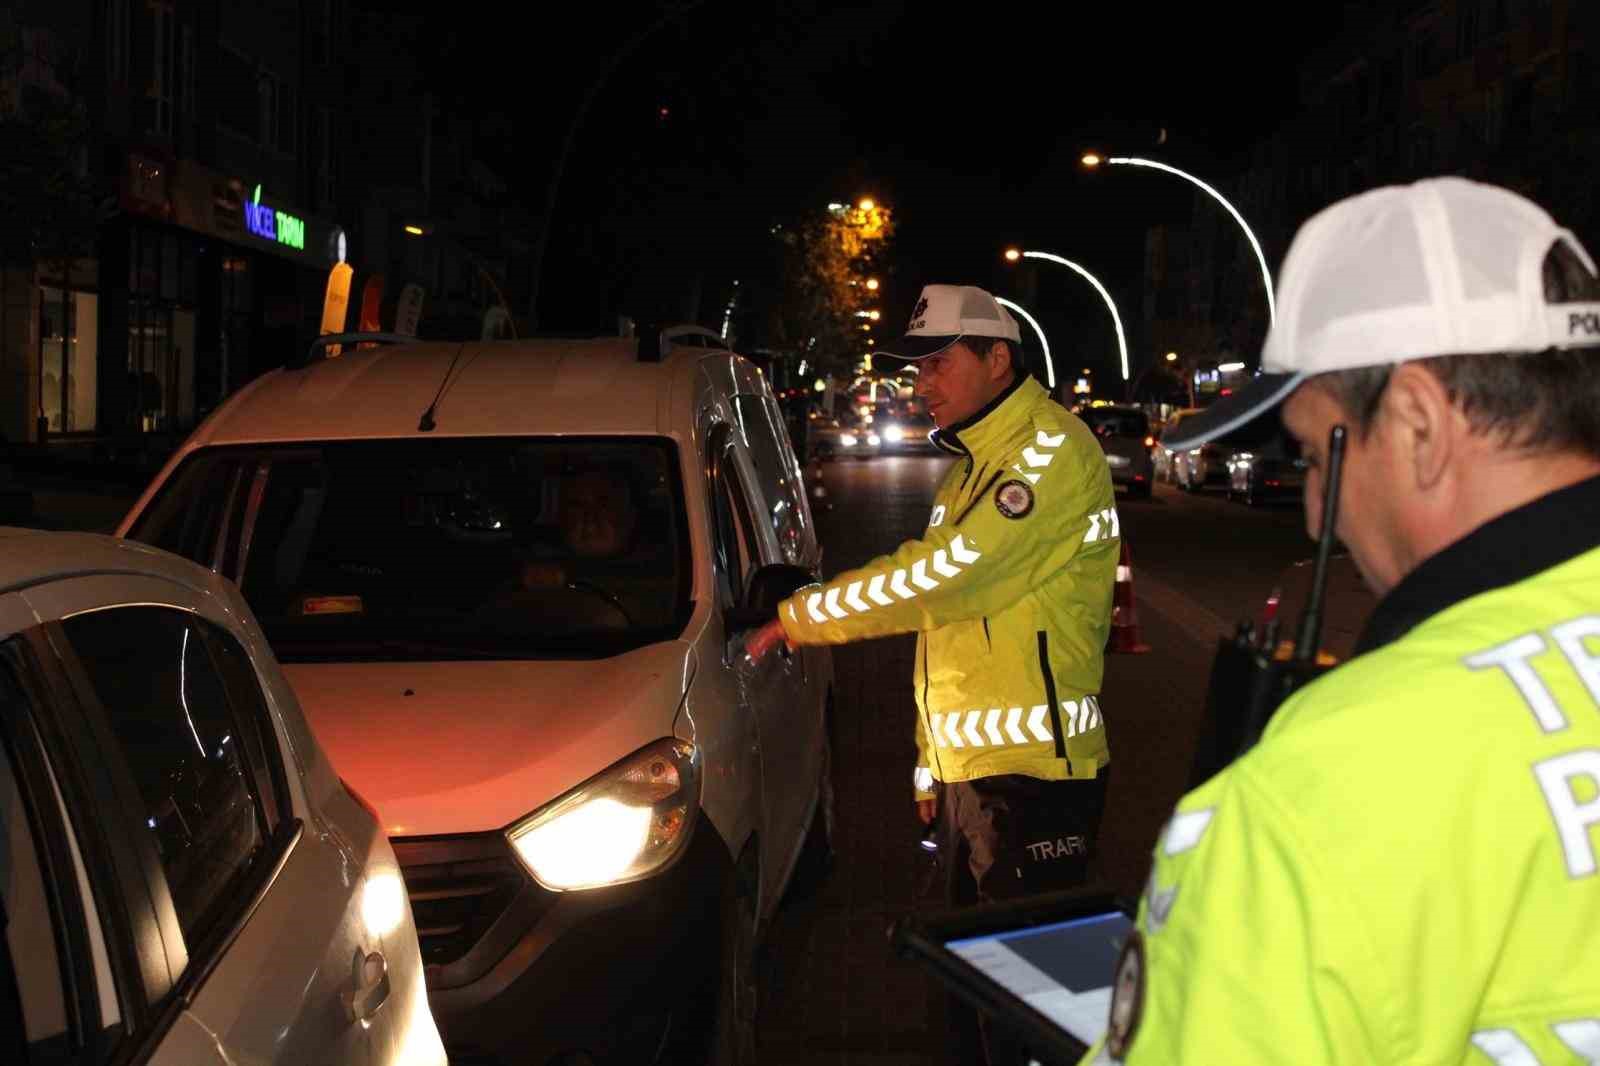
(1504, 91)
(238, 151)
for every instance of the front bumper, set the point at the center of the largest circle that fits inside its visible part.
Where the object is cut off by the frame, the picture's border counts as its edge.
(597, 972)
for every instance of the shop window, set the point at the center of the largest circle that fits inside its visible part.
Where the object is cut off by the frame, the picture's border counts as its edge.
(68, 354)
(276, 98)
(163, 69)
(327, 181)
(117, 35)
(236, 100)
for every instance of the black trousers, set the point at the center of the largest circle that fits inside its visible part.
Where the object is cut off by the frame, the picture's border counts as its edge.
(1003, 838)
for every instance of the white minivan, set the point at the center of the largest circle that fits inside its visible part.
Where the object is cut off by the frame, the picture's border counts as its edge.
(506, 580)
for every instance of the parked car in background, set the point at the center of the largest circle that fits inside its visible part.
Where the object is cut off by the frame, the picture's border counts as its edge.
(1124, 435)
(907, 434)
(1272, 469)
(1164, 459)
(186, 880)
(845, 438)
(508, 582)
(1202, 467)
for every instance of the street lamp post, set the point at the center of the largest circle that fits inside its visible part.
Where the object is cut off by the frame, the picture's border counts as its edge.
(1049, 366)
(1012, 255)
(1092, 160)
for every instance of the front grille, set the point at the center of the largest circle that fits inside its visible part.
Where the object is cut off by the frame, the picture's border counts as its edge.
(459, 888)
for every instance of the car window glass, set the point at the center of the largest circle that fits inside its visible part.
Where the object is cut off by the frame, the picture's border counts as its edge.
(1118, 423)
(191, 512)
(30, 942)
(463, 548)
(736, 535)
(767, 439)
(254, 721)
(168, 713)
(798, 540)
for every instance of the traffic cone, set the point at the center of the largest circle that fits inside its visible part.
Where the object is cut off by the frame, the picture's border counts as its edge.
(819, 491)
(1125, 611)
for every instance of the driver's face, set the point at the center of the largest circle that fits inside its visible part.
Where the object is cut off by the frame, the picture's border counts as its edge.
(597, 516)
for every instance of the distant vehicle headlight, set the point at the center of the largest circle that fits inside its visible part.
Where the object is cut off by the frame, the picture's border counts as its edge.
(1116, 460)
(874, 440)
(894, 434)
(629, 822)
(847, 440)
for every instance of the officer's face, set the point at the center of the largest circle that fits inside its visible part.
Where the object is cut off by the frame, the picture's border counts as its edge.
(1370, 518)
(955, 384)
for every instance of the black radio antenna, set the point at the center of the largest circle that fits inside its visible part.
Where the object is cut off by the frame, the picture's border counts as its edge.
(426, 423)
(1307, 640)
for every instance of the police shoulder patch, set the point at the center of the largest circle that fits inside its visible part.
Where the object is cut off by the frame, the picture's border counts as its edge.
(1014, 499)
(1127, 997)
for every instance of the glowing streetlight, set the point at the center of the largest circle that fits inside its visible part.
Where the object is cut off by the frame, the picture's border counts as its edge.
(1116, 319)
(1091, 160)
(415, 231)
(1012, 255)
(1172, 357)
(872, 284)
(874, 315)
(1044, 345)
(866, 205)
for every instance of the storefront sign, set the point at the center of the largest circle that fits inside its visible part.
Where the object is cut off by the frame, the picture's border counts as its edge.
(271, 225)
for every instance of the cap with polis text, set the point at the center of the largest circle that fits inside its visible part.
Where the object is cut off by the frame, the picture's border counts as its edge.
(946, 313)
(1445, 266)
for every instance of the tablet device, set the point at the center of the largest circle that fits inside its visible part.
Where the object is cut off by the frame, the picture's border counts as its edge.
(1043, 967)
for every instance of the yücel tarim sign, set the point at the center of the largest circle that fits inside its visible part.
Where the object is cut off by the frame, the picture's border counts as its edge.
(271, 225)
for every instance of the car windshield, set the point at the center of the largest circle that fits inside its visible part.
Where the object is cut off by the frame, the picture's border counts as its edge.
(1113, 422)
(449, 548)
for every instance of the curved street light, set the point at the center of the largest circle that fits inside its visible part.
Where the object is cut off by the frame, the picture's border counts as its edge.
(1116, 319)
(1092, 160)
(1049, 366)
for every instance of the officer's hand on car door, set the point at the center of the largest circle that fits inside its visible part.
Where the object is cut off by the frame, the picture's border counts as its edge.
(765, 639)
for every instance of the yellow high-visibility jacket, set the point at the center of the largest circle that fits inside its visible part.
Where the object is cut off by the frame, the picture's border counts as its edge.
(1009, 591)
(1406, 868)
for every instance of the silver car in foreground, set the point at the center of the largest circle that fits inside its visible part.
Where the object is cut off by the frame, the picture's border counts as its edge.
(186, 881)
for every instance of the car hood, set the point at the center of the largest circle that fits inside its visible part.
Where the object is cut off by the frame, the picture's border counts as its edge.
(466, 747)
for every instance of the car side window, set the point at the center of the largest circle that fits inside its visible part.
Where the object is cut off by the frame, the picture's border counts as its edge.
(195, 758)
(33, 983)
(735, 538)
(199, 509)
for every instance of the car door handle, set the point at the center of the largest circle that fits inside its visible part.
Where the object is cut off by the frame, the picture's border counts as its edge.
(369, 986)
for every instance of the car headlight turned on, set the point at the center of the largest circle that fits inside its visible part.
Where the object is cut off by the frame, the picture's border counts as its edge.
(847, 439)
(874, 440)
(894, 434)
(626, 823)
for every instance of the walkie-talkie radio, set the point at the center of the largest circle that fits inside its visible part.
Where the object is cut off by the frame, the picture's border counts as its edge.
(1248, 682)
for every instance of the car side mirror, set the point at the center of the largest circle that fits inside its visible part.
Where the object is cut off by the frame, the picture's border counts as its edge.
(769, 587)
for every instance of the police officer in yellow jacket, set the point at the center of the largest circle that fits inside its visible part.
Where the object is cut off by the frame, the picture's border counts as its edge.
(1009, 591)
(1404, 869)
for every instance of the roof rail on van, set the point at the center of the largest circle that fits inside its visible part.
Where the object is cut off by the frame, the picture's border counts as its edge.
(655, 340)
(319, 347)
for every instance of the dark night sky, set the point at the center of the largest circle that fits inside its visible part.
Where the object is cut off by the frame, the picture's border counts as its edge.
(968, 121)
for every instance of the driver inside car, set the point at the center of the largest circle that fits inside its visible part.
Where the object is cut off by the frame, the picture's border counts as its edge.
(599, 568)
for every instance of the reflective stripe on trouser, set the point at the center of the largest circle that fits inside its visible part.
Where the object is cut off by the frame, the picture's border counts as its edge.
(999, 727)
